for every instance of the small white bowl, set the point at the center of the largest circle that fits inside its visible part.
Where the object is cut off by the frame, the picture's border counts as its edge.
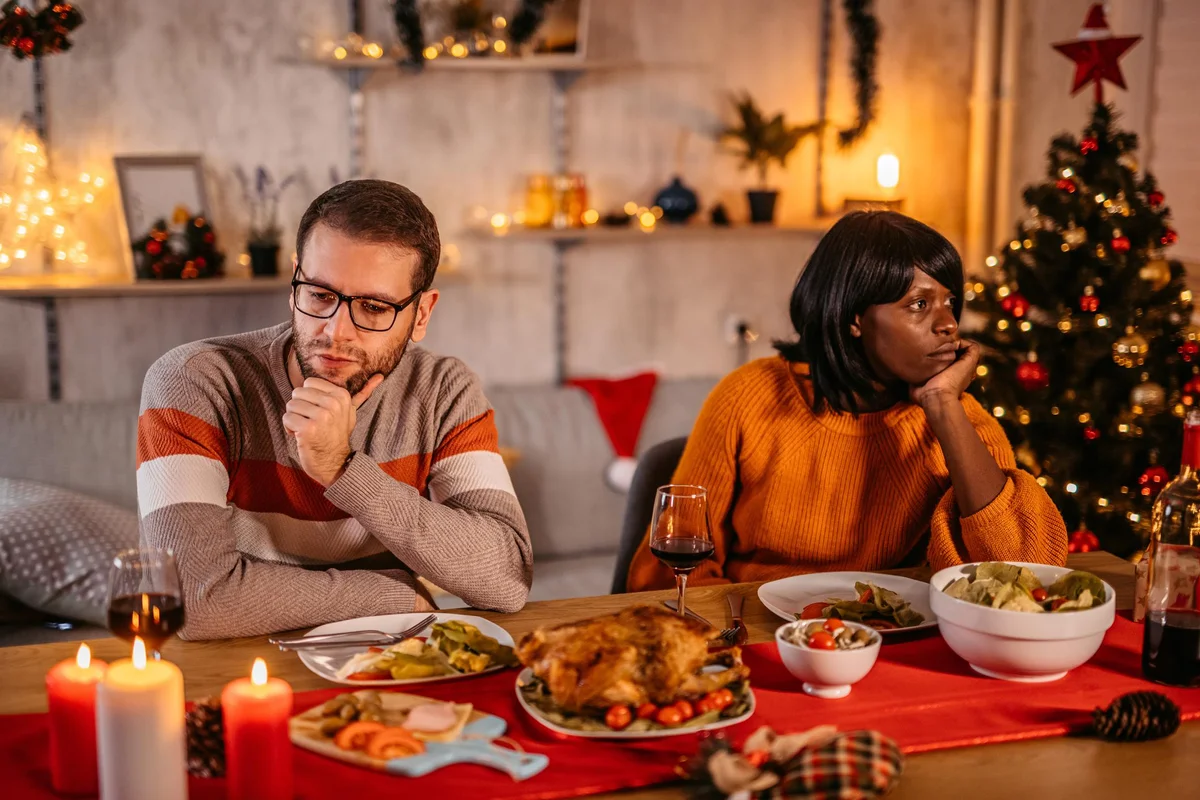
(1019, 645)
(827, 674)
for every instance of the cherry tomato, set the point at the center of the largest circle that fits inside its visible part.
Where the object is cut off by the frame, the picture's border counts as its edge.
(866, 596)
(618, 718)
(685, 710)
(704, 705)
(1039, 594)
(813, 611)
(723, 698)
(1054, 605)
(833, 624)
(822, 640)
(668, 715)
(647, 711)
(756, 758)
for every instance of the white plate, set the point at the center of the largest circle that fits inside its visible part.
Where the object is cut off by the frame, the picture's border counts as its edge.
(527, 674)
(787, 597)
(326, 663)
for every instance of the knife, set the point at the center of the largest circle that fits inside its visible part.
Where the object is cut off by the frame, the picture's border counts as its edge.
(735, 601)
(674, 606)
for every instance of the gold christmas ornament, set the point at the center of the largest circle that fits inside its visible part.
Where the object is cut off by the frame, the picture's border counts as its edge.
(1130, 350)
(1128, 161)
(1074, 236)
(1157, 273)
(1150, 396)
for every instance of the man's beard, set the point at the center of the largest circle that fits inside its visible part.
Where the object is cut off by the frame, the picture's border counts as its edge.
(383, 363)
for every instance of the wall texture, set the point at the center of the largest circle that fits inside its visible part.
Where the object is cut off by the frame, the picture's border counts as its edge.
(165, 76)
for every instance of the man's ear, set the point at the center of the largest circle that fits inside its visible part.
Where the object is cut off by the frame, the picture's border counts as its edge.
(424, 312)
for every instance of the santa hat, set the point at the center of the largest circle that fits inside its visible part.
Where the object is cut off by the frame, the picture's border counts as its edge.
(621, 404)
(1095, 26)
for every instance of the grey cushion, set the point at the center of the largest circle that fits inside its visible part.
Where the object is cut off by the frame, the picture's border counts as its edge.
(56, 547)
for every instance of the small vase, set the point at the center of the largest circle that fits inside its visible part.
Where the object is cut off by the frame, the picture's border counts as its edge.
(678, 202)
(264, 259)
(762, 205)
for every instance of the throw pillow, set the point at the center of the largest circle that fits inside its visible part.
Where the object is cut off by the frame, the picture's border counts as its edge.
(56, 547)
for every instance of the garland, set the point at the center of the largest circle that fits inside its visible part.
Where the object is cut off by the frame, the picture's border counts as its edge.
(408, 24)
(864, 30)
(184, 254)
(31, 35)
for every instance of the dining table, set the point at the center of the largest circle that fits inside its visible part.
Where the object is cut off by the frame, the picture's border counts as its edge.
(1053, 768)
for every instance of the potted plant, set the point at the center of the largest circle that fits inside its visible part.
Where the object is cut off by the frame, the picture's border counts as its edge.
(762, 141)
(263, 199)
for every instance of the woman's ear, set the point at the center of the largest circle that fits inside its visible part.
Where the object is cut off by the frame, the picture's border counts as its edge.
(856, 327)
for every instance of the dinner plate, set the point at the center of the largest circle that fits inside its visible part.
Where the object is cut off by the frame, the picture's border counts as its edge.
(326, 663)
(787, 597)
(527, 674)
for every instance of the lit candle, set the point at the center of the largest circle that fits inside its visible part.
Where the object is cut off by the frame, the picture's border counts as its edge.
(258, 750)
(140, 730)
(71, 691)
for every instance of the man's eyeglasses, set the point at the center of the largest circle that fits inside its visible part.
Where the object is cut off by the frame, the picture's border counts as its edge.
(367, 313)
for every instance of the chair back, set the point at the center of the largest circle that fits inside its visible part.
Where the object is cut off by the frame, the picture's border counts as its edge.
(654, 469)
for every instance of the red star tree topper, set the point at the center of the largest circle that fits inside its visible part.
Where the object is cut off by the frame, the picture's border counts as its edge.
(1096, 52)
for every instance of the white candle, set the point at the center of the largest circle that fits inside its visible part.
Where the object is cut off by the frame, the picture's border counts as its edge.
(141, 742)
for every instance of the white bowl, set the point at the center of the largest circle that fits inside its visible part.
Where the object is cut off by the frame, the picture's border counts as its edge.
(827, 674)
(1019, 645)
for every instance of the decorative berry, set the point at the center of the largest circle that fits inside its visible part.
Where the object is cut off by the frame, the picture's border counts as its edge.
(1066, 185)
(1091, 433)
(1137, 717)
(1089, 303)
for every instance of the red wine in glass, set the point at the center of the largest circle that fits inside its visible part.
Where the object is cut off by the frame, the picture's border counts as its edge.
(153, 616)
(679, 535)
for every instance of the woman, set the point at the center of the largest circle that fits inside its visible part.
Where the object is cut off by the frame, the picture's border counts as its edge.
(856, 448)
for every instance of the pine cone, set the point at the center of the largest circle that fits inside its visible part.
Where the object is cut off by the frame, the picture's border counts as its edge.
(206, 739)
(1137, 717)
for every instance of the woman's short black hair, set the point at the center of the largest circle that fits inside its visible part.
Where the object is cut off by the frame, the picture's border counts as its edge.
(867, 258)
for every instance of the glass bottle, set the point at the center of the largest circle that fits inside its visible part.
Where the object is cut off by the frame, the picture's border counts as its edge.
(1171, 642)
(539, 202)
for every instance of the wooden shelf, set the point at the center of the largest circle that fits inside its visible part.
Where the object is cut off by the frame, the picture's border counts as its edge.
(548, 63)
(632, 233)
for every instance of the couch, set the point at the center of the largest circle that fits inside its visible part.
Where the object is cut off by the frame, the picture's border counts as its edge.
(561, 454)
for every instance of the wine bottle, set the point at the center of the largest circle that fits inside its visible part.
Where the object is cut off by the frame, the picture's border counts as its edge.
(1171, 642)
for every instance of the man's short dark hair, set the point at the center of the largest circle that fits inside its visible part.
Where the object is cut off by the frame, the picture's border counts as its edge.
(867, 258)
(380, 212)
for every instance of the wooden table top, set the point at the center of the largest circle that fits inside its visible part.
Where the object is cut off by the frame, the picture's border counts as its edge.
(1051, 768)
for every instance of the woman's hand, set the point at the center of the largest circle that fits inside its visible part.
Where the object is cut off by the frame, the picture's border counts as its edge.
(950, 383)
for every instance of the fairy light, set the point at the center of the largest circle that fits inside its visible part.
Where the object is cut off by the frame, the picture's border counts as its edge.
(1002, 325)
(998, 411)
(1026, 326)
(41, 208)
(1071, 488)
(981, 370)
(991, 261)
(1102, 502)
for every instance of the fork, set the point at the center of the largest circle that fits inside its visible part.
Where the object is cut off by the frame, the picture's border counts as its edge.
(728, 635)
(351, 638)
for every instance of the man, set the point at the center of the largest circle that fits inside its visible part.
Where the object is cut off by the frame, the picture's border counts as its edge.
(308, 472)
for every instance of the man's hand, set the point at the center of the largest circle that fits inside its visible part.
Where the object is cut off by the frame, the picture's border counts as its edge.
(321, 416)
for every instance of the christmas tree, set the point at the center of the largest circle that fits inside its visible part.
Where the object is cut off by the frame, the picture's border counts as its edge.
(1090, 358)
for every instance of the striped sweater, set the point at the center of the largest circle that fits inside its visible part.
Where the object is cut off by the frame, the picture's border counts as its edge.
(790, 491)
(262, 547)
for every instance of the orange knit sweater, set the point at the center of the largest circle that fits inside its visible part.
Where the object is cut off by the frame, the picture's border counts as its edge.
(791, 491)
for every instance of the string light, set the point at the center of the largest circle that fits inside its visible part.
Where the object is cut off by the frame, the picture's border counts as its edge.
(1071, 488)
(981, 370)
(991, 261)
(41, 209)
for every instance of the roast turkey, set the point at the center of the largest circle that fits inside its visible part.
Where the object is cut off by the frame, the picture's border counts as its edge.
(639, 655)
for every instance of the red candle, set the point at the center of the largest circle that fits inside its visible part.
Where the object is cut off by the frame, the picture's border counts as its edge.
(258, 750)
(71, 690)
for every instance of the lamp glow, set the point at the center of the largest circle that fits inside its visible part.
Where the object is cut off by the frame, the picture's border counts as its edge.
(887, 171)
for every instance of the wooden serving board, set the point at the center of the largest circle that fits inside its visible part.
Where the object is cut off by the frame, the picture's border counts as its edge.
(470, 742)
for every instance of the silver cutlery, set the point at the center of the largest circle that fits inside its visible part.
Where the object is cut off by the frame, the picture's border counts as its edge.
(725, 634)
(352, 638)
(740, 634)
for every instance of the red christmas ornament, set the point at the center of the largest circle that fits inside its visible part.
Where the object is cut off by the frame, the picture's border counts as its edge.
(1169, 237)
(1089, 303)
(200, 262)
(153, 247)
(1066, 185)
(209, 238)
(1033, 375)
(1091, 433)
(1096, 52)
(1188, 351)
(1153, 480)
(1120, 244)
(1155, 199)
(1082, 541)
(1088, 145)
(1191, 390)
(1015, 304)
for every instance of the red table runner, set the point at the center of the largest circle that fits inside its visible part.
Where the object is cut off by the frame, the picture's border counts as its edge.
(919, 693)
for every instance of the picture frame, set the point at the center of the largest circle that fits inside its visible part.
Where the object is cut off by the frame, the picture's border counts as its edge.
(151, 187)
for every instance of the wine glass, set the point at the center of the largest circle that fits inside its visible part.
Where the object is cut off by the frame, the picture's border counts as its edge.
(144, 597)
(679, 534)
